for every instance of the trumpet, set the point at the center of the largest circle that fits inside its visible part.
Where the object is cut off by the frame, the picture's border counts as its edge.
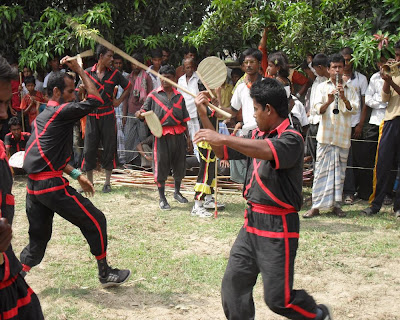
(391, 68)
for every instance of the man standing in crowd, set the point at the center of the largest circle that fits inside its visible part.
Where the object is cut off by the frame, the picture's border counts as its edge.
(156, 60)
(268, 241)
(320, 64)
(46, 157)
(333, 138)
(17, 298)
(135, 130)
(15, 140)
(354, 179)
(118, 64)
(388, 146)
(170, 149)
(100, 123)
(190, 81)
(55, 67)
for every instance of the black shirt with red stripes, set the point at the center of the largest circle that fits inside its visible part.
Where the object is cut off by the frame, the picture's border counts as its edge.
(50, 146)
(105, 86)
(11, 266)
(276, 182)
(14, 145)
(171, 112)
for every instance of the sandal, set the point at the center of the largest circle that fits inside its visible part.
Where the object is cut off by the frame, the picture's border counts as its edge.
(339, 212)
(368, 212)
(349, 199)
(311, 213)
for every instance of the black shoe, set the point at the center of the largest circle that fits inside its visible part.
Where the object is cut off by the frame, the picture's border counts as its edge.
(106, 188)
(369, 211)
(115, 277)
(180, 198)
(164, 205)
(326, 312)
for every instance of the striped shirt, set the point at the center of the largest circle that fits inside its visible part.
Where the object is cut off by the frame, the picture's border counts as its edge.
(335, 129)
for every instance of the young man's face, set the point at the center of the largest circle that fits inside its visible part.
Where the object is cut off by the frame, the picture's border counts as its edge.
(348, 65)
(5, 98)
(156, 62)
(261, 115)
(16, 131)
(118, 64)
(188, 67)
(107, 59)
(235, 78)
(251, 65)
(30, 87)
(68, 94)
(135, 68)
(164, 83)
(335, 68)
(165, 57)
(55, 64)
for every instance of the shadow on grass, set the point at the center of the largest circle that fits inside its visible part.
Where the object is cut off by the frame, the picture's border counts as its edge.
(127, 297)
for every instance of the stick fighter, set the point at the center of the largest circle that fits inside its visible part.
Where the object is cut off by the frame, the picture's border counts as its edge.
(268, 241)
(47, 154)
(17, 299)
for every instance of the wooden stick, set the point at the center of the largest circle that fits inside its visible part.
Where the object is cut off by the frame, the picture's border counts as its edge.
(205, 84)
(87, 53)
(141, 65)
(216, 180)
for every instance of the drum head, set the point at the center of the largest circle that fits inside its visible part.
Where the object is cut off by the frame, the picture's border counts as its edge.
(213, 72)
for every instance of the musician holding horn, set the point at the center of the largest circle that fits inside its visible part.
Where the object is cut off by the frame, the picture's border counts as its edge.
(333, 138)
(388, 145)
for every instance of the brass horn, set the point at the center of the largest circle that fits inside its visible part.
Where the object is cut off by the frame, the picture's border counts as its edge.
(391, 68)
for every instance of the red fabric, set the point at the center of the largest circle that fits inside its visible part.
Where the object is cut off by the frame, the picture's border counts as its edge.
(26, 101)
(15, 100)
(173, 129)
(20, 303)
(45, 175)
(299, 78)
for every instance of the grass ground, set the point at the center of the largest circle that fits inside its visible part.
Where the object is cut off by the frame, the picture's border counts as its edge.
(178, 261)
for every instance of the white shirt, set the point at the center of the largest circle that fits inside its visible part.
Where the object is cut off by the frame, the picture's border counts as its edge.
(299, 112)
(193, 87)
(315, 118)
(46, 79)
(360, 83)
(156, 80)
(373, 99)
(241, 100)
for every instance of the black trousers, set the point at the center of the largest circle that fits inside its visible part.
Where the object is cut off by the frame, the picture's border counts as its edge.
(311, 141)
(267, 244)
(45, 197)
(169, 152)
(100, 128)
(18, 301)
(387, 154)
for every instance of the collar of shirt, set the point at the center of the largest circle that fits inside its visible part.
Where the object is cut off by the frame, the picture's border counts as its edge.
(161, 89)
(94, 68)
(53, 103)
(279, 129)
(330, 81)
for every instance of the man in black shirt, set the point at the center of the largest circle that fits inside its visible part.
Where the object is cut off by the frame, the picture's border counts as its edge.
(16, 139)
(101, 122)
(268, 241)
(46, 158)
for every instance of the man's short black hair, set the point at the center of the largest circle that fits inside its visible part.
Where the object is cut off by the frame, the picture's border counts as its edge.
(7, 73)
(116, 56)
(56, 80)
(255, 53)
(320, 59)
(237, 71)
(336, 57)
(397, 45)
(138, 56)
(14, 121)
(30, 79)
(190, 50)
(167, 69)
(346, 50)
(101, 50)
(271, 91)
(156, 53)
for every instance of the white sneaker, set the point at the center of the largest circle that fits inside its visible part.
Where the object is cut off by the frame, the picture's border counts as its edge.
(201, 212)
(210, 204)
